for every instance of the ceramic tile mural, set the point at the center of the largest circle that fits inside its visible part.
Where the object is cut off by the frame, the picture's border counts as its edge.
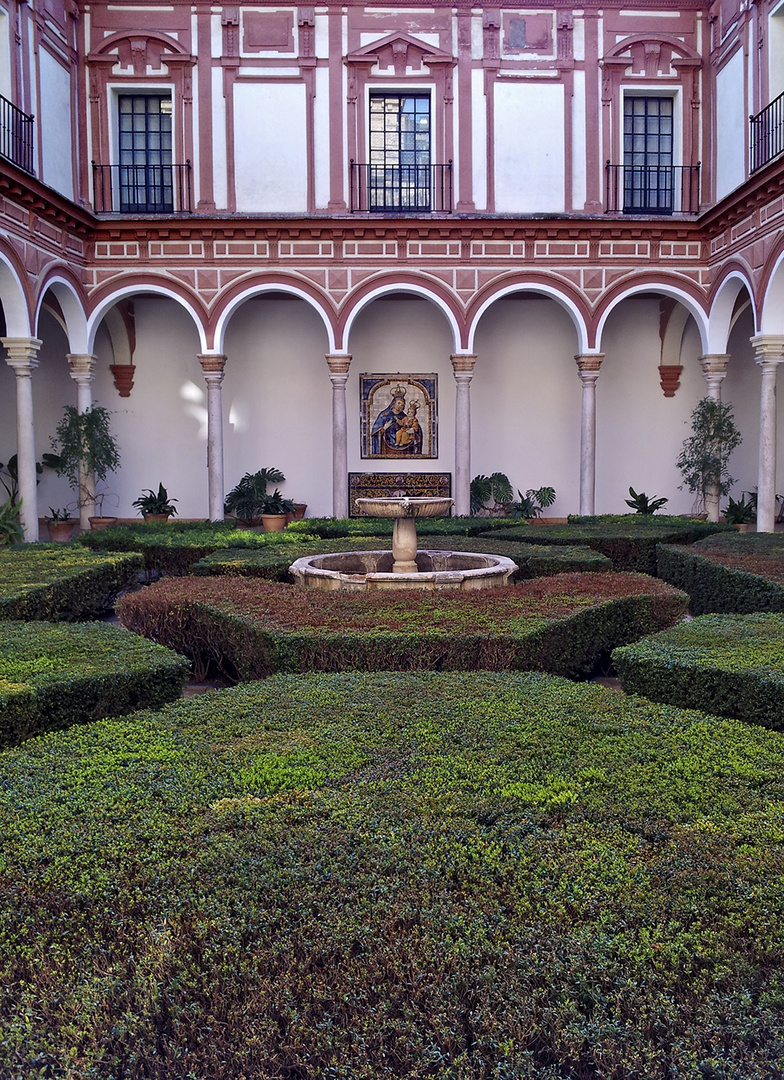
(399, 416)
(380, 485)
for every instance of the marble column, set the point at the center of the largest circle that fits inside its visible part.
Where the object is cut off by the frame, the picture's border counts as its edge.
(82, 368)
(338, 364)
(463, 369)
(769, 353)
(714, 371)
(212, 366)
(588, 365)
(23, 358)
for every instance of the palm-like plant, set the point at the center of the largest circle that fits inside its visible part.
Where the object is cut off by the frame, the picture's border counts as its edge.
(247, 499)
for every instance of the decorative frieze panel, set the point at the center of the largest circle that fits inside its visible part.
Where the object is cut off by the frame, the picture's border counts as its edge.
(242, 249)
(172, 249)
(624, 249)
(497, 249)
(127, 250)
(433, 249)
(670, 250)
(306, 249)
(370, 249)
(558, 249)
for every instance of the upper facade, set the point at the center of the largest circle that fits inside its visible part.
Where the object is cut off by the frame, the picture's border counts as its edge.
(435, 109)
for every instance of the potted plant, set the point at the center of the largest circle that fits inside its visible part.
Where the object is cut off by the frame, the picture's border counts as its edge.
(705, 455)
(155, 506)
(641, 504)
(490, 495)
(246, 498)
(61, 525)
(11, 531)
(87, 452)
(274, 510)
(739, 512)
(531, 504)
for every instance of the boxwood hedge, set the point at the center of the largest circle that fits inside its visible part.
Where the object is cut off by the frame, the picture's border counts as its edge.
(272, 563)
(56, 674)
(248, 629)
(732, 665)
(728, 573)
(62, 581)
(359, 877)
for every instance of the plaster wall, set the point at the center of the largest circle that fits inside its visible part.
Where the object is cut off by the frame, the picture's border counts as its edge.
(5, 56)
(776, 54)
(53, 388)
(56, 124)
(730, 126)
(529, 148)
(270, 147)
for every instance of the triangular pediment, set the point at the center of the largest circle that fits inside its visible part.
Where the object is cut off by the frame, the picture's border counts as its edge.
(401, 52)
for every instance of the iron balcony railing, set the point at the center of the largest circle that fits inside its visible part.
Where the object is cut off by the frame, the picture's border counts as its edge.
(652, 189)
(16, 135)
(767, 133)
(142, 189)
(401, 188)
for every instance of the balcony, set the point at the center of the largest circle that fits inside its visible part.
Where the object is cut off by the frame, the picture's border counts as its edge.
(16, 135)
(142, 189)
(767, 134)
(652, 189)
(401, 189)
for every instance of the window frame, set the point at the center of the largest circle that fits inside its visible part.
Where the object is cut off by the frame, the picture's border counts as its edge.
(413, 90)
(148, 90)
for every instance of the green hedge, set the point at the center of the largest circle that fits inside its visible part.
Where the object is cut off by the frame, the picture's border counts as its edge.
(334, 528)
(732, 665)
(728, 574)
(62, 582)
(450, 876)
(628, 540)
(272, 563)
(56, 674)
(250, 629)
(172, 549)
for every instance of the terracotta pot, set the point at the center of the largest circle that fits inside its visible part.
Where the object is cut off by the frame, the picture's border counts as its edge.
(98, 523)
(299, 511)
(61, 531)
(155, 517)
(274, 522)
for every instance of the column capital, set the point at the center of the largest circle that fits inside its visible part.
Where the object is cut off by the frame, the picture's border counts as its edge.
(212, 366)
(82, 366)
(589, 365)
(768, 348)
(338, 364)
(22, 354)
(463, 365)
(714, 364)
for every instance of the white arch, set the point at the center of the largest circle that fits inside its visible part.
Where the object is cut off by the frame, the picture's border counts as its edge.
(94, 321)
(403, 287)
(665, 289)
(772, 315)
(73, 312)
(545, 290)
(12, 296)
(270, 287)
(720, 314)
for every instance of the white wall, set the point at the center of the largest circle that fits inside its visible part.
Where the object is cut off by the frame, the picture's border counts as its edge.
(529, 147)
(270, 147)
(54, 120)
(776, 53)
(730, 126)
(5, 56)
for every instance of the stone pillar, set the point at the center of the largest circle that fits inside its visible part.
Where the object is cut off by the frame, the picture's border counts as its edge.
(23, 358)
(338, 364)
(82, 366)
(714, 371)
(212, 366)
(769, 353)
(463, 368)
(588, 365)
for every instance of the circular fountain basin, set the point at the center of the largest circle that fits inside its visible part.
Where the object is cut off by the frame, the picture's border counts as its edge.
(435, 569)
(405, 507)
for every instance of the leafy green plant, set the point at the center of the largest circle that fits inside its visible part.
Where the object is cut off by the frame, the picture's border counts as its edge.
(11, 531)
(10, 480)
(532, 503)
(246, 498)
(704, 457)
(641, 504)
(59, 515)
(151, 502)
(275, 504)
(84, 441)
(739, 512)
(492, 493)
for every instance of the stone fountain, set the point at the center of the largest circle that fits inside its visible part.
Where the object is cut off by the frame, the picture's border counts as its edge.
(405, 566)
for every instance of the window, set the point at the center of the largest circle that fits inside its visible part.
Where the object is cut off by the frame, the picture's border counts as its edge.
(648, 175)
(400, 171)
(145, 135)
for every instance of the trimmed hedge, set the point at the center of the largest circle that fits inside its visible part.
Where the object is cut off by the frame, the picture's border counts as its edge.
(62, 582)
(334, 528)
(55, 674)
(172, 549)
(732, 665)
(273, 563)
(729, 574)
(249, 629)
(628, 540)
(360, 877)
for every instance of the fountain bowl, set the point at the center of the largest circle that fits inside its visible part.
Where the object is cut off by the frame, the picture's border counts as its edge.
(353, 571)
